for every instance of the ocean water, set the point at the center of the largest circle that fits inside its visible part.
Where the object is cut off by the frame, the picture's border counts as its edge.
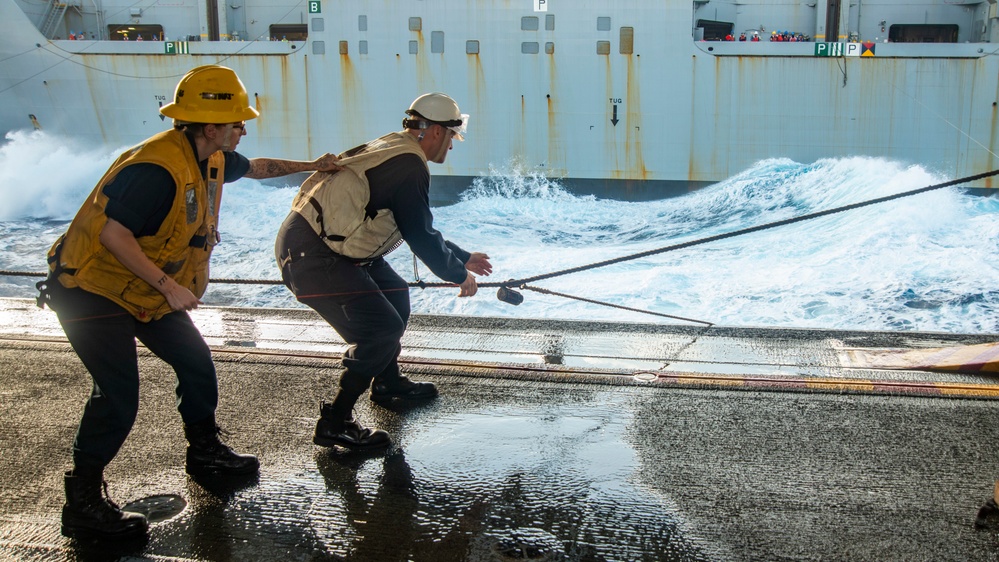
(922, 263)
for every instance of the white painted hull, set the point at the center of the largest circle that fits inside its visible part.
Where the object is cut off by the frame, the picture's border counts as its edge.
(672, 115)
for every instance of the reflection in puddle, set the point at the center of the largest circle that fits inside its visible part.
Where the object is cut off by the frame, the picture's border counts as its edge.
(541, 481)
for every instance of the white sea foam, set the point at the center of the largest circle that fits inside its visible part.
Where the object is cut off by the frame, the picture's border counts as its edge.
(924, 263)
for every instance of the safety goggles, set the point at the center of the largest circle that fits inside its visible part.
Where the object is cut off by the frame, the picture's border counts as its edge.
(459, 130)
(456, 126)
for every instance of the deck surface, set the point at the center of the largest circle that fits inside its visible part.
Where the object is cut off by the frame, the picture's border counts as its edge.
(550, 441)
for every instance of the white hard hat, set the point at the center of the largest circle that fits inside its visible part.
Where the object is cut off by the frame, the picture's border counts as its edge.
(440, 109)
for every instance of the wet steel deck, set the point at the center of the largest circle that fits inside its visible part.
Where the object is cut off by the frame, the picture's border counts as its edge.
(550, 440)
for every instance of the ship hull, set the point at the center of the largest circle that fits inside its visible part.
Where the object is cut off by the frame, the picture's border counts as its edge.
(671, 115)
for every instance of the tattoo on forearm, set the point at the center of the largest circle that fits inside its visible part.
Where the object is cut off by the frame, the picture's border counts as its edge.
(162, 281)
(268, 168)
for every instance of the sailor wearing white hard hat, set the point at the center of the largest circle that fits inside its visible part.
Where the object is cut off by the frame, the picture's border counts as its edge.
(331, 250)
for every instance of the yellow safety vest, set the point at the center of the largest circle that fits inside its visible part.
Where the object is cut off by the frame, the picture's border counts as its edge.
(181, 247)
(334, 203)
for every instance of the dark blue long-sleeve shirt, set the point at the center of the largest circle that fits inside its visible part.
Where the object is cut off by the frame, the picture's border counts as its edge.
(402, 185)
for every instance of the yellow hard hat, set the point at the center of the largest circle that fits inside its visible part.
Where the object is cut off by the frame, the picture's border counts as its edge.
(440, 109)
(210, 94)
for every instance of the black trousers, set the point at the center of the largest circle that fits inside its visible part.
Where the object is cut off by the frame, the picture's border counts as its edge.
(367, 305)
(103, 334)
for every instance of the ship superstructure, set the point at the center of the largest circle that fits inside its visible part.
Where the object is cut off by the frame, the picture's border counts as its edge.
(631, 99)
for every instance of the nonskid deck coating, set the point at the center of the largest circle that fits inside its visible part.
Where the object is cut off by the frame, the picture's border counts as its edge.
(513, 469)
(516, 460)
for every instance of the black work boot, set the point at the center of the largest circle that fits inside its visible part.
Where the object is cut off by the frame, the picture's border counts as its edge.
(207, 455)
(989, 513)
(90, 514)
(387, 388)
(334, 429)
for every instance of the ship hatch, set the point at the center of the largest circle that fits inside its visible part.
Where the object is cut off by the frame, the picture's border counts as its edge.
(289, 31)
(715, 30)
(906, 33)
(135, 32)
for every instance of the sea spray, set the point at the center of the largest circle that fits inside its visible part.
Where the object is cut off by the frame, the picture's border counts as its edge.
(923, 263)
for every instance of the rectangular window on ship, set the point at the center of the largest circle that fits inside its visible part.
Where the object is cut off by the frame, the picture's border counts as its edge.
(289, 32)
(135, 32)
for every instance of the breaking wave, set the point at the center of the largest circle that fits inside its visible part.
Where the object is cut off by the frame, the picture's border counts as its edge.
(923, 263)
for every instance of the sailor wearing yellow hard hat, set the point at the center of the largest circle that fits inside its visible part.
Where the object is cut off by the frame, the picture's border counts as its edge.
(130, 266)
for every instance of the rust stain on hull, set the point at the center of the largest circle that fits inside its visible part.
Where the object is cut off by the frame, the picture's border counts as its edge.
(633, 122)
(351, 90)
(556, 150)
(691, 164)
